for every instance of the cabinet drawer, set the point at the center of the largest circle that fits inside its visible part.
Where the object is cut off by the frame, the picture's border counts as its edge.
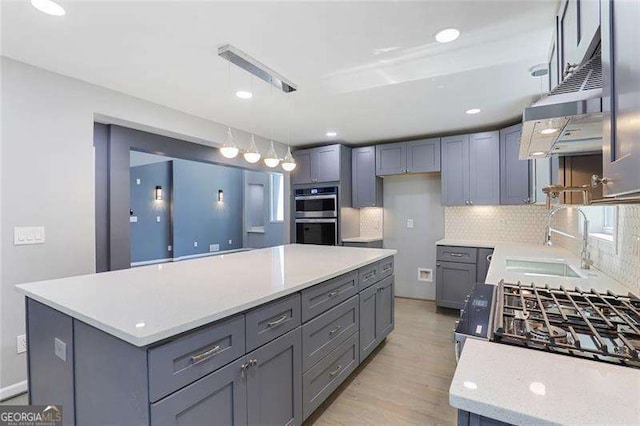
(326, 332)
(186, 359)
(273, 320)
(385, 268)
(457, 254)
(322, 379)
(324, 296)
(368, 275)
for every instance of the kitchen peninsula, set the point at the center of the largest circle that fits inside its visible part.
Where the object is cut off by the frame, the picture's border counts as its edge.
(255, 337)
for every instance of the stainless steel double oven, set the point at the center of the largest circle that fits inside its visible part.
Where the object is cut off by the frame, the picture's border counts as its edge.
(316, 215)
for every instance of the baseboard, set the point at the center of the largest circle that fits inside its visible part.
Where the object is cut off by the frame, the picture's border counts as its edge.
(13, 390)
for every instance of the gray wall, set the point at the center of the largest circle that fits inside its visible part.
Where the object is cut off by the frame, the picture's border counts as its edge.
(47, 124)
(197, 214)
(414, 197)
(274, 232)
(150, 239)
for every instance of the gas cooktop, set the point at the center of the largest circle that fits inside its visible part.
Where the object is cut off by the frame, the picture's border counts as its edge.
(593, 325)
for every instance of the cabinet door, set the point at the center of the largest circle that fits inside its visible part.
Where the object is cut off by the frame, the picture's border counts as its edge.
(568, 35)
(588, 26)
(423, 156)
(391, 159)
(621, 96)
(515, 183)
(220, 398)
(368, 328)
(455, 170)
(325, 164)
(554, 58)
(367, 187)
(274, 382)
(302, 173)
(453, 283)
(384, 308)
(484, 168)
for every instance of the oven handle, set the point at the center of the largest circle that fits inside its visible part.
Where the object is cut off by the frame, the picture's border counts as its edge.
(315, 197)
(316, 220)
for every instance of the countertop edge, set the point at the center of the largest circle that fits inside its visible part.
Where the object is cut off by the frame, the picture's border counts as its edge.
(186, 327)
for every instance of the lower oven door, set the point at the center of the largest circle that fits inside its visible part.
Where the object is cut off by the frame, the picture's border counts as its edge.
(317, 231)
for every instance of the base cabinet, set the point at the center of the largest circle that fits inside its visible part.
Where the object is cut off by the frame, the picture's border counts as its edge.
(376, 315)
(471, 419)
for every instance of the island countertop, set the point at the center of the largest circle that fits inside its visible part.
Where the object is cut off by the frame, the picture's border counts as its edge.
(148, 304)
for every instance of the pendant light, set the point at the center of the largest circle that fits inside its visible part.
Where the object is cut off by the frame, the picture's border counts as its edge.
(252, 155)
(289, 163)
(229, 148)
(271, 159)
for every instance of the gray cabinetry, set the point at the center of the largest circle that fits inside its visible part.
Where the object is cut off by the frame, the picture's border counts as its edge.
(325, 296)
(471, 169)
(484, 261)
(579, 25)
(471, 419)
(321, 164)
(456, 273)
(621, 96)
(273, 320)
(376, 315)
(515, 185)
(219, 398)
(274, 382)
(367, 187)
(420, 156)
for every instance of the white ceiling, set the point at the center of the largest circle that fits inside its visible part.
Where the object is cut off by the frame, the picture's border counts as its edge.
(369, 70)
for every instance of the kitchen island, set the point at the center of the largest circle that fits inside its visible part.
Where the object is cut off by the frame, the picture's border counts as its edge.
(255, 337)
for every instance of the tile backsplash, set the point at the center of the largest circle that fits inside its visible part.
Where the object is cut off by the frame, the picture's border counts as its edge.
(371, 222)
(522, 224)
(619, 259)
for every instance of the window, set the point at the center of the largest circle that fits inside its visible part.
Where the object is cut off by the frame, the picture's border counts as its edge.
(602, 221)
(277, 197)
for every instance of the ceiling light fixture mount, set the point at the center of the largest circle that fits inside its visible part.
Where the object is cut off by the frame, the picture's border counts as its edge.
(49, 7)
(447, 35)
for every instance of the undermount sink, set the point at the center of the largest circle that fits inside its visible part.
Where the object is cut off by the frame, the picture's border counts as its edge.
(541, 268)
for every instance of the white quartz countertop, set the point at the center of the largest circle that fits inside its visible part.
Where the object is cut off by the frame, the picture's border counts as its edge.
(147, 304)
(361, 239)
(590, 279)
(527, 386)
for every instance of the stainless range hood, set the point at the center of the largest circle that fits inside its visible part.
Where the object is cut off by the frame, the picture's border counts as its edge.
(567, 121)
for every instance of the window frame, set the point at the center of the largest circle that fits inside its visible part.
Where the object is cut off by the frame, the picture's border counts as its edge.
(276, 200)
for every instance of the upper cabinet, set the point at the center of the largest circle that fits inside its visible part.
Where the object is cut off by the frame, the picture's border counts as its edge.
(515, 183)
(621, 96)
(421, 156)
(322, 164)
(367, 187)
(471, 169)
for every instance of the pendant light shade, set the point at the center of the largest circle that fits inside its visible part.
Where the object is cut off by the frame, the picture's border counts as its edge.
(271, 159)
(289, 163)
(252, 155)
(229, 148)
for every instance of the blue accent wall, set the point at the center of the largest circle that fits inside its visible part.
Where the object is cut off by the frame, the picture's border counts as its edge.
(197, 214)
(149, 238)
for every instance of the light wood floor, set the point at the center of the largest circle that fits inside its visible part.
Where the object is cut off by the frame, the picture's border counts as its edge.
(406, 381)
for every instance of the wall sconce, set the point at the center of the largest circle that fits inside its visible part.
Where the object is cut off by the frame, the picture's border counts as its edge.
(220, 196)
(158, 193)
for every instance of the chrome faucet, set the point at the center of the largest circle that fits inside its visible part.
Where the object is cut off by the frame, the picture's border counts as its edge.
(585, 256)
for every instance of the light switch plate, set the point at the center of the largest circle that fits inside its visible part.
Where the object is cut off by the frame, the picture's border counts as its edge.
(60, 349)
(21, 344)
(133, 219)
(409, 223)
(23, 235)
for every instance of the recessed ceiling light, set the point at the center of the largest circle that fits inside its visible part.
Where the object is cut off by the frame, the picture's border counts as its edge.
(473, 111)
(49, 7)
(332, 134)
(549, 131)
(243, 94)
(447, 35)
(537, 153)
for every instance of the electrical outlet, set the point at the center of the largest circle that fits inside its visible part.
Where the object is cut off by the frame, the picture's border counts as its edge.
(214, 247)
(60, 349)
(158, 219)
(195, 244)
(21, 344)
(169, 248)
(409, 223)
(230, 241)
(137, 181)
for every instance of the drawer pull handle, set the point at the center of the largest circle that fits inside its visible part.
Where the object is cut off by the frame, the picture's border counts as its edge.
(370, 275)
(335, 330)
(489, 257)
(334, 372)
(456, 254)
(334, 293)
(204, 355)
(279, 321)
(386, 268)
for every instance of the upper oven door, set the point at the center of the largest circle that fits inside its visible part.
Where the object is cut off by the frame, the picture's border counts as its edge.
(311, 206)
